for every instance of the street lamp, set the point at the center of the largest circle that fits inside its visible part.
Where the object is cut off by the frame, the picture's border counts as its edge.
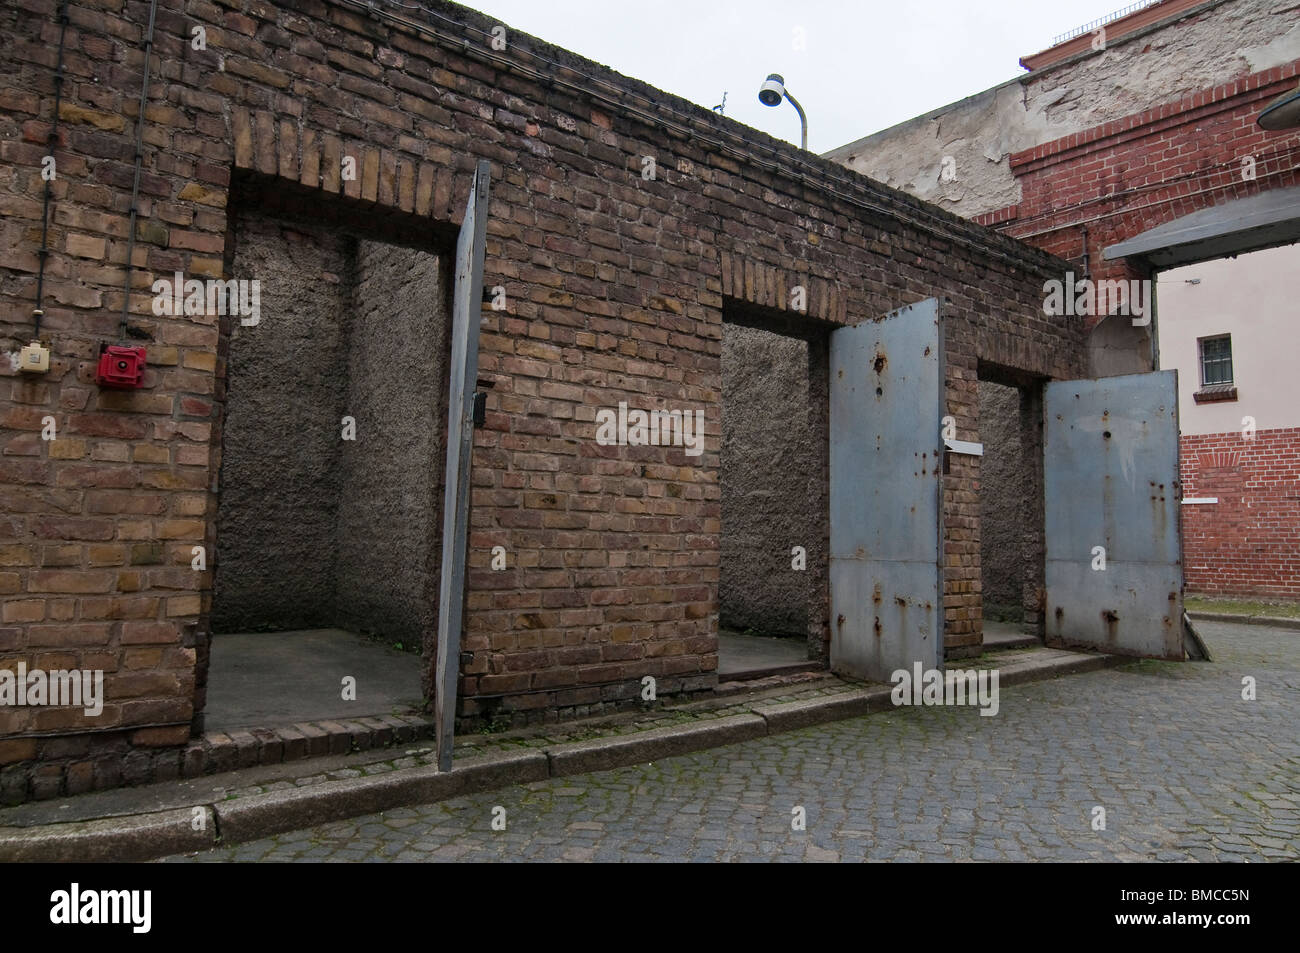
(770, 93)
(1282, 113)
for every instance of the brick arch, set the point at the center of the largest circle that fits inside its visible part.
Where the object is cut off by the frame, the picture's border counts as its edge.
(296, 151)
(768, 286)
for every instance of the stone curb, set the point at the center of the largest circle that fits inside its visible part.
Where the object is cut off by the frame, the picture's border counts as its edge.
(1034, 670)
(601, 754)
(1281, 623)
(275, 812)
(147, 836)
(789, 716)
(134, 837)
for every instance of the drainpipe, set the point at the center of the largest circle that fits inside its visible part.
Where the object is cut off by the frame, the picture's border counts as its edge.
(135, 187)
(1155, 326)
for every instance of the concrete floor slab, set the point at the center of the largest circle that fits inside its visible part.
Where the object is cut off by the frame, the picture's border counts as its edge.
(263, 679)
(749, 653)
(1007, 635)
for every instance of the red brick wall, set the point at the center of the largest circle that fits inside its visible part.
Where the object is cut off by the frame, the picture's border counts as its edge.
(1124, 177)
(1249, 542)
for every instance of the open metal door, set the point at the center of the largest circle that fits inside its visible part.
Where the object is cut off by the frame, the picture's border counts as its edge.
(887, 405)
(1111, 485)
(466, 303)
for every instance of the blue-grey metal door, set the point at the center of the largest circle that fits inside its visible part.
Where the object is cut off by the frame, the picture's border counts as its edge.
(1112, 493)
(886, 478)
(467, 299)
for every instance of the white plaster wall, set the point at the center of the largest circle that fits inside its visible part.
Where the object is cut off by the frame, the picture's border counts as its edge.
(1256, 299)
(1223, 40)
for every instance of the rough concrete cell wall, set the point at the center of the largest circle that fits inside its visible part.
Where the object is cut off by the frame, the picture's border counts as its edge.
(389, 529)
(279, 482)
(766, 507)
(1004, 501)
(980, 133)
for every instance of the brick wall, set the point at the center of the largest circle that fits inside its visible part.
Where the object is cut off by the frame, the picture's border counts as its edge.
(1247, 544)
(1123, 177)
(616, 286)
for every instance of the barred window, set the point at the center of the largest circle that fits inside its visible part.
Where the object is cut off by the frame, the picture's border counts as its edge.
(1216, 360)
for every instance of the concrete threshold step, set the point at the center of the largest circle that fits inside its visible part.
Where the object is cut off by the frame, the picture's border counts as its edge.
(219, 751)
(195, 814)
(1005, 643)
(768, 671)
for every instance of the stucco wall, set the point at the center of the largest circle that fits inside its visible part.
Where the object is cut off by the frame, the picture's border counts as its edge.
(279, 485)
(764, 472)
(1252, 297)
(1222, 40)
(389, 529)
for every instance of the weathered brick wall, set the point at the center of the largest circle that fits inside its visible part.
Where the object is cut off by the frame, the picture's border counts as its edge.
(1139, 171)
(1247, 544)
(616, 286)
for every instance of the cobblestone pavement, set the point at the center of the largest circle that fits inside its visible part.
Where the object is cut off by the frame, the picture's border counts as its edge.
(1183, 766)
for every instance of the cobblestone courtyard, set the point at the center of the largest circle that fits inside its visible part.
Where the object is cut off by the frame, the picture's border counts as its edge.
(1183, 766)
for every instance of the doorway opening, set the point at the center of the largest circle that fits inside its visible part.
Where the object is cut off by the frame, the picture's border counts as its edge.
(1010, 507)
(772, 588)
(331, 440)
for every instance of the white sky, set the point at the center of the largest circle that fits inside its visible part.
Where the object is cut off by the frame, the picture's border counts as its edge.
(868, 64)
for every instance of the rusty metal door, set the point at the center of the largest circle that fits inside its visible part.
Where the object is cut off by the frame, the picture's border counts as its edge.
(886, 477)
(467, 300)
(1112, 492)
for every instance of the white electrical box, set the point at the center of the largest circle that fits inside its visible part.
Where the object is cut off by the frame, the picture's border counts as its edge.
(34, 358)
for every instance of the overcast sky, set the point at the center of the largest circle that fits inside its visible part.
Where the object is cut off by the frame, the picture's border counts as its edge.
(866, 64)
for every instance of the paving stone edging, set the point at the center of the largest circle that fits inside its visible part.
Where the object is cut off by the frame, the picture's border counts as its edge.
(1279, 622)
(148, 836)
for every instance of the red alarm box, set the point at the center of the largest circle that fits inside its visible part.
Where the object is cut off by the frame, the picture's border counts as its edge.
(121, 367)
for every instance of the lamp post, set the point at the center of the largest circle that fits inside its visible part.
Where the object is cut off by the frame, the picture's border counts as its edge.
(1281, 113)
(771, 93)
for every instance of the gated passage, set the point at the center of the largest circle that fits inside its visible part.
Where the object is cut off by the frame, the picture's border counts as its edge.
(1111, 483)
(886, 408)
